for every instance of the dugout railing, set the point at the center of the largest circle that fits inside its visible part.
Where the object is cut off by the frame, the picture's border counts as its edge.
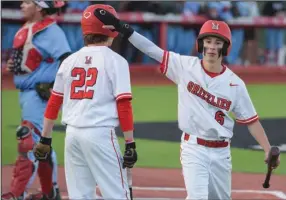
(261, 22)
(163, 20)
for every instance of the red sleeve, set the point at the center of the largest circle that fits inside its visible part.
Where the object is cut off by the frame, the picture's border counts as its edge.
(54, 105)
(125, 114)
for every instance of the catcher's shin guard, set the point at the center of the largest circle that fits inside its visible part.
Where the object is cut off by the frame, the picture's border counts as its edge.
(22, 173)
(24, 167)
(8, 196)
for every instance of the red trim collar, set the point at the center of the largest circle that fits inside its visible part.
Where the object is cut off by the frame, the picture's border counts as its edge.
(41, 25)
(213, 74)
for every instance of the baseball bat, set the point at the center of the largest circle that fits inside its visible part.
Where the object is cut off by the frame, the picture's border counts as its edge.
(129, 179)
(272, 162)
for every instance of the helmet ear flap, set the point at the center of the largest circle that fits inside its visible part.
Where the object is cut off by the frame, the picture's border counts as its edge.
(224, 50)
(200, 46)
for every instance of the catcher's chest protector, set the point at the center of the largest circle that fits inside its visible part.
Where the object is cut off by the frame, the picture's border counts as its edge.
(26, 56)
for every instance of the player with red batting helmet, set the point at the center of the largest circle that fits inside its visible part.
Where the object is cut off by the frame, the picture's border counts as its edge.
(92, 25)
(208, 93)
(217, 29)
(93, 87)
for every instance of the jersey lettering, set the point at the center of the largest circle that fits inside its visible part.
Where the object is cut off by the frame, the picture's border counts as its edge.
(87, 79)
(219, 117)
(88, 60)
(209, 98)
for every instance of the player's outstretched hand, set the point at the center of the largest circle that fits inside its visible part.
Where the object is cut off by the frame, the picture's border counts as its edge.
(110, 20)
(130, 155)
(43, 149)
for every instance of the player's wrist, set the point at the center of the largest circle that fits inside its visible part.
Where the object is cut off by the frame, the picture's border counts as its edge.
(266, 149)
(126, 30)
(131, 145)
(128, 137)
(46, 141)
(129, 140)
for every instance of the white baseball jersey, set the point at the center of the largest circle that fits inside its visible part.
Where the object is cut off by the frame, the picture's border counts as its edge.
(205, 103)
(91, 80)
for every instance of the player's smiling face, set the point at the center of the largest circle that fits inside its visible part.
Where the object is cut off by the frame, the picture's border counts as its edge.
(212, 48)
(29, 9)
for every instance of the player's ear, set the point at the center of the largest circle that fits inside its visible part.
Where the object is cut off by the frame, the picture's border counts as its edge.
(110, 41)
(38, 8)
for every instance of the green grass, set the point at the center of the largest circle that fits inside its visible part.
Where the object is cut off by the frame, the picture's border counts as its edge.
(157, 104)
(161, 102)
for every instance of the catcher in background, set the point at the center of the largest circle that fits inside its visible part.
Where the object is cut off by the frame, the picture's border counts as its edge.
(38, 48)
(208, 92)
(93, 87)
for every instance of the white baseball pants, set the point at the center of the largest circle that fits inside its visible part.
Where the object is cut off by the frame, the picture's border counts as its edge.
(206, 171)
(92, 155)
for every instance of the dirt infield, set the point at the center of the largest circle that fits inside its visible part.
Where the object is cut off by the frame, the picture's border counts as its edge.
(168, 183)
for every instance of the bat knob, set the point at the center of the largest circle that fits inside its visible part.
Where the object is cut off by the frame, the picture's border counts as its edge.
(266, 185)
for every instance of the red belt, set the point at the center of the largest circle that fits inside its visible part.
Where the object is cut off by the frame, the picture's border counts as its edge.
(208, 143)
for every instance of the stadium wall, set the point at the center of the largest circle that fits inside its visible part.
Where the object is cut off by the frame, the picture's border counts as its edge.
(150, 75)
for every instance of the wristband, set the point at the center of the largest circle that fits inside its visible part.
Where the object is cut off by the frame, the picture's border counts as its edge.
(130, 145)
(127, 141)
(46, 141)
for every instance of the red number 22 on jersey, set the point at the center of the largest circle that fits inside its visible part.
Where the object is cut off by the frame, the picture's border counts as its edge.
(86, 79)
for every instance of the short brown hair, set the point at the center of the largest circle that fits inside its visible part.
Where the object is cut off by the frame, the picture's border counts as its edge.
(49, 11)
(94, 39)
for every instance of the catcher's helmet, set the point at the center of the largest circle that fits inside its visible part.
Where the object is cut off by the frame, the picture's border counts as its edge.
(218, 29)
(51, 7)
(91, 25)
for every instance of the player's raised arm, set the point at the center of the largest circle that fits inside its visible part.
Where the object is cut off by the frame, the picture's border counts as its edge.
(170, 62)
(139, 41)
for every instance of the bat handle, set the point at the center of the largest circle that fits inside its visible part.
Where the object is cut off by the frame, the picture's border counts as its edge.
(266, 185)
(267, 179)
(129, 179)
(131, 193)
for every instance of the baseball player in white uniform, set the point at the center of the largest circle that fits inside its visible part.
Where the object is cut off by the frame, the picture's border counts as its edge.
(207, 93)
(93, 85)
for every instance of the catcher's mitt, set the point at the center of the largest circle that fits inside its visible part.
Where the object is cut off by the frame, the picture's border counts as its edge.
(44, 90)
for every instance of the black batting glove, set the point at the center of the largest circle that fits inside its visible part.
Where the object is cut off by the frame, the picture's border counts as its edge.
(109, 19)
(130, 155)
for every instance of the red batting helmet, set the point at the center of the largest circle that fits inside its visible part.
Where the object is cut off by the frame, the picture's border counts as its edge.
(91, 25)
(218, 29)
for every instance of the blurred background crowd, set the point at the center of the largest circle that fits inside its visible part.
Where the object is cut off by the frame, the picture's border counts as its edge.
(251, 46)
